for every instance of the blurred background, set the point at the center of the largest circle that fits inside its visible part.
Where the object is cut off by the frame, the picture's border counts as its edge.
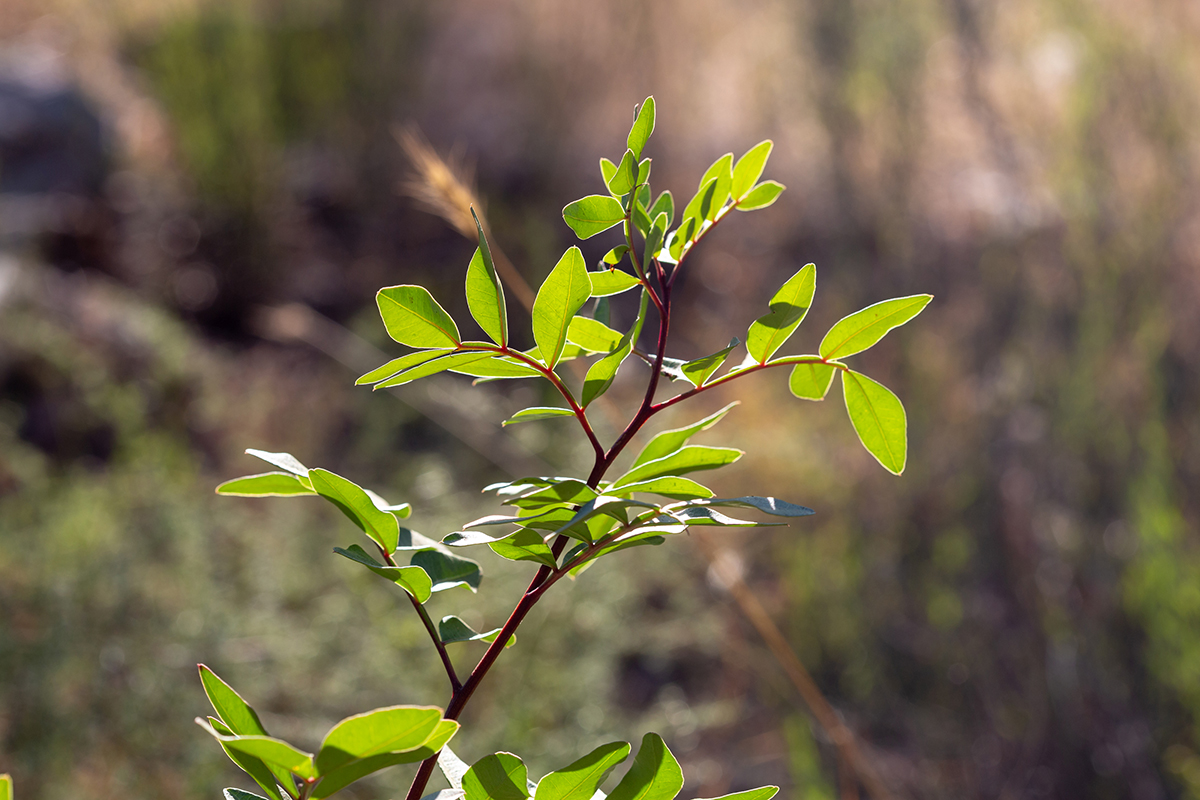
(198, 199)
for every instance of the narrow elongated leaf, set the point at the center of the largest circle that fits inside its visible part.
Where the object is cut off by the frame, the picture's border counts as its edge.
(811, 381)
(497, 367)
(761, 196)
(560, 297)
(749, 169)
(395, 729)
(862, 329)
(267, 484)
(580, 779)
(537, 412)
(698, 371)
(788, 309)
(434, 366)
(524, 545)
(643, 126)
(722, 171)
(674, 487)
(668, 442)
(500, 776)
(625, 177)
(563, 492)
(665, 204)
(398, 365)
(655, 774)
(235, 712)
(768, 505)
(686, 459)
(413, 580)
(452, 629)
(270, 750)
(593, 336)
(412, 317)
(485, 295)
(878, 418)
(285, 461)
(593, 214)
(381, 526)
(610, 282)
(230, 794)
(447, 571)
(269, 778)
(761, 793)
(600, 375)
(703, 515)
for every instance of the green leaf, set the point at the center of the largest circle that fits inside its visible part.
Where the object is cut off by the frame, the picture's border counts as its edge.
(355, 503)
(625, 178)
(600, 375)
(230, 794)
(607, 170)
(614, 256)
(862, 329)
(768, 505)
(452, 629)
(668, 442)
(610, 282)
(412, 317)
(703, 515)
(537, 412)
(761, 793)
(500, 776)
(398, 365)
(811, 381)
(722, 171)
(593, 214)
(593, 336)
(643, 126)
(878, 418)
(699, 207)
(665, 204)
(285, 461)
(655, 774)
(788, 308)
(563, 492)
(674, 487)
(654, 239)
(497, 367)
(524, 545)
(643, 178)
(749, 169)
(270, 750)
(698, 371)
(235, 712)
(433, 367)
(6, 787)
(447, 571)
(561, 295)
(687, 459)
(395, 729)
(268, 484)
(341, 778)
(269, 779)
(485, 295)
(413, 580)
(761, 196)
(581, 779)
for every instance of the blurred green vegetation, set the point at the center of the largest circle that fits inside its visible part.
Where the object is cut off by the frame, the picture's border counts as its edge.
(1019, 615)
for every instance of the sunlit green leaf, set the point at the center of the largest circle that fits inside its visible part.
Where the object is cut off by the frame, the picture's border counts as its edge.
(701, 205)
(412, 317)
(524, 545)
(643, 177)
(698, 371)
(433, 367)
(447, 571)
(398, 365)
(624, 179)
(341, 778)
(722, 171)
(537, 412)
(768, 505)
(614, 256)
(674, 487)
(607, 170)
(560, 297)
(761, 793)
(230, 794)
(581, 779)
(381, 526)
(878, 418)
(267, 484)
(704, 515)
(593, 214)
(788, 309)
(655, 774)
(811, 381)
(269, 778)
(270, 750)
(665, 204)
(452, 629)
(862, 329)
(749, 169)
(395, 729)
(668, 442)
(593, 336)
(485, 295)
(761, 196)
(643, 126)
(235, 712)
(497, 367)
(500, 776)
(413, 580)
(686, 459)
(571, 491)
(600, 375)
